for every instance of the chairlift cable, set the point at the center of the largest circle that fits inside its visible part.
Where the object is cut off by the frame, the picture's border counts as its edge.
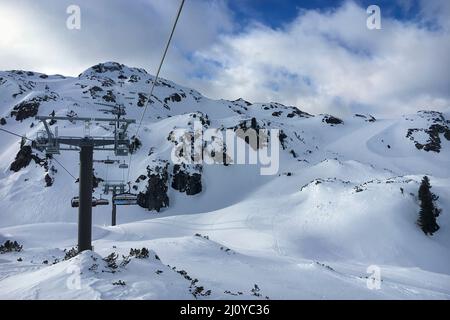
(64, 168)
(156, 79)
(53, 157)
(15, 134)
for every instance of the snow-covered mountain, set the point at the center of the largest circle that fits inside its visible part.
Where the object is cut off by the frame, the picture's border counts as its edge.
(344, 199)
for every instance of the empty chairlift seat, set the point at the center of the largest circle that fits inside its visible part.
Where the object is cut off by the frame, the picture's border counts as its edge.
(95, 202)
(125, 199)
(102, 202)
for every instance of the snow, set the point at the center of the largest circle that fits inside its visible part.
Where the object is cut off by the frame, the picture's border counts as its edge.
(350, 202)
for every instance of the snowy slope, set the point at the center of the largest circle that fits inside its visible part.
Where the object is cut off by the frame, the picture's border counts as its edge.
(344, 198)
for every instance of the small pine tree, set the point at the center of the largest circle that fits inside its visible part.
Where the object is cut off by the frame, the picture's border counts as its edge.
(428, 212)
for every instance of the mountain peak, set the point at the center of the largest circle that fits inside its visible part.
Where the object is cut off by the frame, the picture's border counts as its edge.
(112, 68)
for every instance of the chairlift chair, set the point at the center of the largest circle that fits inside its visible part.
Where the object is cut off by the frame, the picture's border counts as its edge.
(125, 199)
(102, 202)
(123, 166)
(95, 202)
(121, 150)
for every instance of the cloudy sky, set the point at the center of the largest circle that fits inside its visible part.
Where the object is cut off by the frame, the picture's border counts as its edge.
(317, 55)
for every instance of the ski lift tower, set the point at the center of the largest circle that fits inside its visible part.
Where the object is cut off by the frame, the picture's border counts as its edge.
(116, 187)
(51, 143)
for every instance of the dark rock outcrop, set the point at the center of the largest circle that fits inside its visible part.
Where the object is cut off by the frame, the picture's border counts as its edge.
(282, 137)
(95, 89)
(368, 118)
(29, 108)
(48, 180)
(155, 197)
(187, 179)
(25, 109)
(332, 120)
(109, 96)
(105, 67)
(298, 113)
(259, 139)
(142, 99)
(135, 144)
(22, 160)
(10, 246)
(439, 126)
(134, 78)
(2, 121)
(175, 97)
(434, 140)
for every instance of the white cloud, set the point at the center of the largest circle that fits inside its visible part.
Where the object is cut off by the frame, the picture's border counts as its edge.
(330, 61)
(323, 61)
(34, 34)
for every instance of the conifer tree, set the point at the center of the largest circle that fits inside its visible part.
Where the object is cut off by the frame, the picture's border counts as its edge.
(428, 212)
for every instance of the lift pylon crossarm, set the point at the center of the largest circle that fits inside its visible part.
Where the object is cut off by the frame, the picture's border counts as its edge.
(120, 142)
(125, 121)
(96, 142)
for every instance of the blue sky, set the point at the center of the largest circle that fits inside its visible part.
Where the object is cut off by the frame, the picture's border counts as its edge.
(317, 55)
(279, 12)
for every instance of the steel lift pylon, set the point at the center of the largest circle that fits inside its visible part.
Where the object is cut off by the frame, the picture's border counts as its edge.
(51, 143)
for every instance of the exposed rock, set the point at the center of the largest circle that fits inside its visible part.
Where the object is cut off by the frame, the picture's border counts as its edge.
(439, 126)
(22, 160)
(282, 137)
(332, 120)
(52, 121)
(175, 97)
(242, 101)
(155, 197)
(134, 78)
(187, 179)
(135, 144)
(10, 246)
(25, 109)
(368, 118)
(107, 82)
(30, 108)
(2, 121)
(202, 117)
(95, 89)
(71, 114)
(48, 180)
(109, 96)
(298, 113)
(105, 67)
(260, 139)
(142, 99)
